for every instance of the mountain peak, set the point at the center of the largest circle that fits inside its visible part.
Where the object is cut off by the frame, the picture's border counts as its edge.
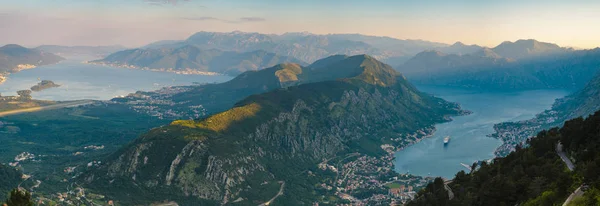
(13, 46)
(14, 49)
(458, 43)
(328, 60)
(525, 48)
(372, 71)
(487, 52)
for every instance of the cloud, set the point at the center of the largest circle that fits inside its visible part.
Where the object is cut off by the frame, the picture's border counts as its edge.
(237, 21)
(251, 19)
(162, 2)
(203, 18)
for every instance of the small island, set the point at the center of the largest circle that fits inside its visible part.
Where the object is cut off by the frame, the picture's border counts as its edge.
(45, 84)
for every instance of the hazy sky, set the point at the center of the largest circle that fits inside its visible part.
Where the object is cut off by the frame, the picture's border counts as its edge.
(138, 22)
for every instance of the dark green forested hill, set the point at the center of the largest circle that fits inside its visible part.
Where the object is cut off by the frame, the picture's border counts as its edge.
(531, 176)
(9, 179)
(243, 155)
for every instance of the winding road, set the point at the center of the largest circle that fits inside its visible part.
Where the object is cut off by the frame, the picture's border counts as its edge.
(578, 192)
(276, 196)
(563, 156)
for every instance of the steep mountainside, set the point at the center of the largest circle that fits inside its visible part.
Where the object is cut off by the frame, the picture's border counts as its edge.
(98, 51)
(14, 58)
(193, 59)
(273, 142)
(579, 104)
(535, 175)
(528, 48)
(485, 69)
(306, 46)
(582, 103)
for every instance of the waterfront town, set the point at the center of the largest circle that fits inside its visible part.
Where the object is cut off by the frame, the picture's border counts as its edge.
(366, 180)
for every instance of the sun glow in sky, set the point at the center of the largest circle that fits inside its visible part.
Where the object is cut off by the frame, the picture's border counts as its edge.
(138, 22)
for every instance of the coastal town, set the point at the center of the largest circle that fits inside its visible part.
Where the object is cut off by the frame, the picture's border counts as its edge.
(20, 67)
(186, 71)
(366, 180)
(517, 133)
(160, 104)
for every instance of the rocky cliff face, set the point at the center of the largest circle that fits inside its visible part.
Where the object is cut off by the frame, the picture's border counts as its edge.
(275, 136)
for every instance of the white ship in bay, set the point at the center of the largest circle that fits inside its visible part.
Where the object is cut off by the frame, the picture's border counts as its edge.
(446, 140)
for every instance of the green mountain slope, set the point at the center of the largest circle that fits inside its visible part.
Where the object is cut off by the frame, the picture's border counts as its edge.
(193, 59)
(243, 155)
(532, 176)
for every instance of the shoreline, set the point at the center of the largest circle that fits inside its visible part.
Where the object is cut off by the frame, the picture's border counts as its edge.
(186, 71)
(21, 67)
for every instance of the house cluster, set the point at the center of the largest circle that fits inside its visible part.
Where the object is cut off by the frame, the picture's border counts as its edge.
(403, 192)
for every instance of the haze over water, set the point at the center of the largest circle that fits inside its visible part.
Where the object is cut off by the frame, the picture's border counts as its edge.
(86, 81)
(469, 141)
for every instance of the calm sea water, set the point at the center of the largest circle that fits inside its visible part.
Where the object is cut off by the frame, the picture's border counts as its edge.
(85, 81)
(469, 141)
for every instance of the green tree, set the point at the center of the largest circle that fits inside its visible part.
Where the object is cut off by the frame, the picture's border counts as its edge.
(19, 198)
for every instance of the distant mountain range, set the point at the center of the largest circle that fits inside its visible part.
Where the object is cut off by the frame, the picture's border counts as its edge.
(244, 155)
(192, 59)
(430, 63)
(14, 58)
(524, 64)
(460, 48)
(305, 46)
(529, 48)
(96, 51)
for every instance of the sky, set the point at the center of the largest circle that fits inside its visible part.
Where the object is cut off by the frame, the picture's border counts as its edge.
(133, 23)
